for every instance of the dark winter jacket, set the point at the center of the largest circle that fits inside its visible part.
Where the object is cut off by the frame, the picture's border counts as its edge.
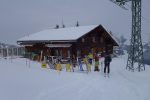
(107, 59)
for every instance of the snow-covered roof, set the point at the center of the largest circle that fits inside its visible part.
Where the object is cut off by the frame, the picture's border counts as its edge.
(71, 33)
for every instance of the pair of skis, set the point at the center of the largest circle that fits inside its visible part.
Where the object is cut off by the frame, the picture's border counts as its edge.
(106, 75)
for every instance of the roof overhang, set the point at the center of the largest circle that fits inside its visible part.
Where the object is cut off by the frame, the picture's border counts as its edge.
(44, 42)
(58, 45)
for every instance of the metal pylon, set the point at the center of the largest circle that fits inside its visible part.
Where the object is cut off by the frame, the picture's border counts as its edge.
(136, 48)
(135, 54)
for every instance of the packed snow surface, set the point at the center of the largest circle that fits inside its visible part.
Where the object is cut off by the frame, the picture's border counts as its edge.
(21, 79)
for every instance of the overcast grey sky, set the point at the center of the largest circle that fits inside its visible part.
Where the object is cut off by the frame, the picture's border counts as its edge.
(22, 17)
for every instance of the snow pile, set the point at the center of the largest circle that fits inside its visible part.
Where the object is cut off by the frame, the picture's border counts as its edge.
(24, 80)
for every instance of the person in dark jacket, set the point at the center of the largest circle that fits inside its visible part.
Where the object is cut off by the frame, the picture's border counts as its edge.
(107, 63)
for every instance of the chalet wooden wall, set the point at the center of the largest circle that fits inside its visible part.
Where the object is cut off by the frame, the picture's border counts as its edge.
(97, 40)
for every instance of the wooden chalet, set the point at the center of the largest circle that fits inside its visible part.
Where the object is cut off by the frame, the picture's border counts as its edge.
(69, 42)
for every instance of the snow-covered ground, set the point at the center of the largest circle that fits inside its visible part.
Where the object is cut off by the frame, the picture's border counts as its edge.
(19, 81)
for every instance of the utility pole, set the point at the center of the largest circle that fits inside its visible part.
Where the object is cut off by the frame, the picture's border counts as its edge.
(135, 54)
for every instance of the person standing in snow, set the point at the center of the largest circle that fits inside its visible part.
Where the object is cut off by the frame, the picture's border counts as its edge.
(58, 66)
(73, 62)
(90, 58)
(68, 66)
(96, 57)
(80, 64)
(88, 66)
(101, 60)
(107, 63)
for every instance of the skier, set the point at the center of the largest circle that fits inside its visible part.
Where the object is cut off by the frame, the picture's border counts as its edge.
(101, 60)
(88, 66)
(68, 65)
(90, 57)
(73, 62)
(80, 64)
(58, 66)
(96, 63)
(107, 64)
